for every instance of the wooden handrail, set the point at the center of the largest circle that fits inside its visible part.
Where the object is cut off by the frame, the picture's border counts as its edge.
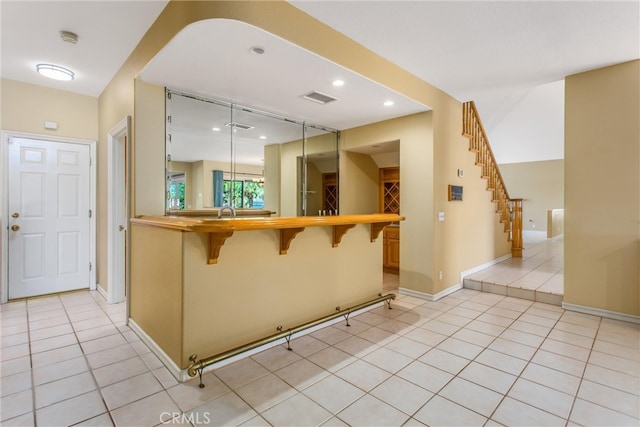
(510, 210)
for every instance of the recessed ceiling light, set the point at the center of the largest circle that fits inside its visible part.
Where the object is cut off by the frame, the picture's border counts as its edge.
(55, 72)
(338, 83)
(258, 50)
(388, 103)
(263, 137)
(215, 129)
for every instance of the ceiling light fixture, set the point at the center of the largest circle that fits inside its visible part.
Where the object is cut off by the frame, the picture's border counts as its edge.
(215, 129)
(55, 72)
(258, 50)
(263, 137)
(388, 103)
(338, 83)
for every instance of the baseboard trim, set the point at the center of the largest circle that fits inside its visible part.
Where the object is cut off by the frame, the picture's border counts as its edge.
(631, 318)
(430, 297)
(102, 292)
(182, 375)
(477, 268)
(175, 370)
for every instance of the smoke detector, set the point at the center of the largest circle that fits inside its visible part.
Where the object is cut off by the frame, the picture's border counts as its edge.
(69, 37)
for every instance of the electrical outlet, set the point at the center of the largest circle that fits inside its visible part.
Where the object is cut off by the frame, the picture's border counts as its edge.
(440, 275)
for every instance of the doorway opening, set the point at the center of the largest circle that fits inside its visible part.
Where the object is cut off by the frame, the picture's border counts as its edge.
(118, 214)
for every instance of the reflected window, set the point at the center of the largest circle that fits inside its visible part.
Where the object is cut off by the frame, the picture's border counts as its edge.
(248, 194)
(176, 183)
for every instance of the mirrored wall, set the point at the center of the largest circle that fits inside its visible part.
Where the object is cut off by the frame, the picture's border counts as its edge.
(220, 154)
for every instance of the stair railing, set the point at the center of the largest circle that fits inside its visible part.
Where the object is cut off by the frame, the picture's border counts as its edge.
(510, 210)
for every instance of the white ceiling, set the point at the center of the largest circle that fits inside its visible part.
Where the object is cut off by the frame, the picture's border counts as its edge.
(495, 52)
(108, 31)
(225, 67)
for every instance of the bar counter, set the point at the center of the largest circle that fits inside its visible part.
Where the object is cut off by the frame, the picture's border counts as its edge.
(220, 229)
(189, 297)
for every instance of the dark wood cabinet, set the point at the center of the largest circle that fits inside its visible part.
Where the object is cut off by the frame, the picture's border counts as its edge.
(390, 203)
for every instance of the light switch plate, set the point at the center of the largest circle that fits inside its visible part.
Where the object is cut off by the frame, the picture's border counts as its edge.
(441, 216)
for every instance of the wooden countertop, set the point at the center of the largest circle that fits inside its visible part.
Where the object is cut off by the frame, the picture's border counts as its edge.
(220, 229)
(213, 212)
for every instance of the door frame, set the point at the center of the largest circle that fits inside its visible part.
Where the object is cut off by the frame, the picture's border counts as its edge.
(4, 203)
(116, 164)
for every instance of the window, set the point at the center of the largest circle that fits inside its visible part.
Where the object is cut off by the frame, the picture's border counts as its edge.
(175, 190)
(247, 193)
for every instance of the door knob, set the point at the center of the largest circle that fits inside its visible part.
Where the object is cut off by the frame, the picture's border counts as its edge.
(15, 215)
(120, 228)
(15, 227)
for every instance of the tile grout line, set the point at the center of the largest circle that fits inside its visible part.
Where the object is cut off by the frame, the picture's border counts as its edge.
(86, 359)
(586, 365)
(33, 386)
(504, 396)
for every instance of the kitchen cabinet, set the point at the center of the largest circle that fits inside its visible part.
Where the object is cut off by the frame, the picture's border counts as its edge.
(391, 249)
(390, 203)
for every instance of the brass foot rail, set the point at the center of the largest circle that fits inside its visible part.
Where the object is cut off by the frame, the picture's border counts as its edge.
(197, 366)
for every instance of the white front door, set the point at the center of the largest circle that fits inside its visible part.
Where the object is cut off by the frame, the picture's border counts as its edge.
(49, 216)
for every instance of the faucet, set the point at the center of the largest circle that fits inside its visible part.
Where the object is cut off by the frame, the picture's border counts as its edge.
(225, 207)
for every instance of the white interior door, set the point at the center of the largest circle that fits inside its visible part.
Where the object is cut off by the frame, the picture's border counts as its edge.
(49, 217)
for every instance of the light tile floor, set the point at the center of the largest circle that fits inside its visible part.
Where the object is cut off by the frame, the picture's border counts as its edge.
(537, 276)
(471, 358)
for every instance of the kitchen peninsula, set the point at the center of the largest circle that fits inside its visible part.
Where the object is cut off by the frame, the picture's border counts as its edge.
(207, 285)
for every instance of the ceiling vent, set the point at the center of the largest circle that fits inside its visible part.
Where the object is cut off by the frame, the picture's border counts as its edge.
(236, 125)
(319, 97)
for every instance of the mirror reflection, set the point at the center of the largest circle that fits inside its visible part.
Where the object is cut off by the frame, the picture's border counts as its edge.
(220, 154)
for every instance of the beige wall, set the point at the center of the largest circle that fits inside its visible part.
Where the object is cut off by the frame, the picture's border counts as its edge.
(602, 195)
(149, 150)
(272, 182)
(25, 107)
(314, 185)
(540, 185)
(156, 297)
(470, 235)
(306, 283)
(358, 184)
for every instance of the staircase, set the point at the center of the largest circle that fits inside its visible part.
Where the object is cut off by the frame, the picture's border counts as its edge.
(510, 210)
